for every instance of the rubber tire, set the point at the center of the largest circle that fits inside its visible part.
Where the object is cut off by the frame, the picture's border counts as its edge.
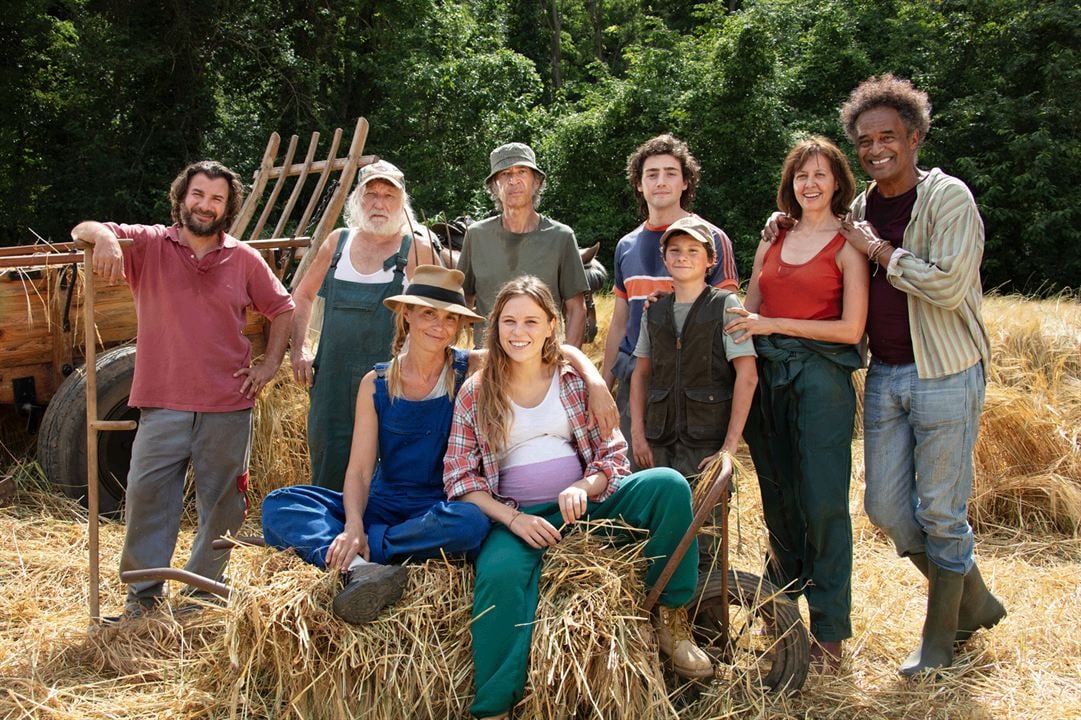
(779, 628)
(62, 435)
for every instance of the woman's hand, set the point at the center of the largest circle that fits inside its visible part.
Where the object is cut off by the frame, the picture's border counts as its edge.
(747, 325)
(710, 458)
(535, 531)
(349, 543)
(572, 503)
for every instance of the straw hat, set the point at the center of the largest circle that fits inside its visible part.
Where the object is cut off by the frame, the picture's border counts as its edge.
(435, 287)
(509, 155)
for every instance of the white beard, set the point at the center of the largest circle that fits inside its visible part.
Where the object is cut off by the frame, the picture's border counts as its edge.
(391, 226)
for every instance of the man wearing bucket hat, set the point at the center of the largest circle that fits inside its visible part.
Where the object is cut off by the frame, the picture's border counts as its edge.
(392, 507)
(354, 270)
(520, 241)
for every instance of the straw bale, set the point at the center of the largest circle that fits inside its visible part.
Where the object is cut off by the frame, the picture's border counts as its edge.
(279, 452)
(592, 653)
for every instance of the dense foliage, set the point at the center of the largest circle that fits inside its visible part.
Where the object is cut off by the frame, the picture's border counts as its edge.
(106, 99)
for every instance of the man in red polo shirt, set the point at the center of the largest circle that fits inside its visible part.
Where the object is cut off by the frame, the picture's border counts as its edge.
(194, 381)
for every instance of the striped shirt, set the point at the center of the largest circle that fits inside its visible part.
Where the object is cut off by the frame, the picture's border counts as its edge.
(471, 464)
(938, 266)
(640, 271)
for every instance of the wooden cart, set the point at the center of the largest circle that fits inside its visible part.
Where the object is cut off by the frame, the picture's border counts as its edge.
(46, 345)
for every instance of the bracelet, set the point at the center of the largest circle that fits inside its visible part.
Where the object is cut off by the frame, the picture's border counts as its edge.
(515, 517)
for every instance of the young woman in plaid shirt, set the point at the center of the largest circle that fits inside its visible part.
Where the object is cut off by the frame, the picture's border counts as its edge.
(521, 449)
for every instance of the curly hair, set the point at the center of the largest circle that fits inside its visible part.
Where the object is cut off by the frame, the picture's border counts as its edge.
(213, 170)
(842, 173)
(665, 144)
(911, 104)
(494, 413)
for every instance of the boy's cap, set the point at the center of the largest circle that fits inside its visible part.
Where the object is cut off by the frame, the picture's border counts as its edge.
(691, 225)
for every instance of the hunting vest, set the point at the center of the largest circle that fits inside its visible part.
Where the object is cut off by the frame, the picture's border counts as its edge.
(690, 392)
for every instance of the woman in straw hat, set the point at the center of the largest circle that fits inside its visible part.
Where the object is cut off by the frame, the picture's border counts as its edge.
(392, 507)
(522, 450)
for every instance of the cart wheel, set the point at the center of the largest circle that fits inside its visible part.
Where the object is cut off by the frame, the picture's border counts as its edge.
(767, 644)
(62, 437)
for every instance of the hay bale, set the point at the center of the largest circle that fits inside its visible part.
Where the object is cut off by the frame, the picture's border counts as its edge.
(287, 654)
(279, 444)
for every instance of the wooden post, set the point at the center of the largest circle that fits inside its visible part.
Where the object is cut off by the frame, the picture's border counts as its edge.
(90, 352)
(93, 425)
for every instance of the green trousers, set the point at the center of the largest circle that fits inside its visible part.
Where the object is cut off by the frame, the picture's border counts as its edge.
(800, 435)
(508, 574)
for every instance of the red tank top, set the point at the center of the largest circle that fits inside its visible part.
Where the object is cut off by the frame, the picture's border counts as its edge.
(811, 291)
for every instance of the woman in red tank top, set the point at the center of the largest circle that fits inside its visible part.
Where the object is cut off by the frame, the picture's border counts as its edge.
(806, 307)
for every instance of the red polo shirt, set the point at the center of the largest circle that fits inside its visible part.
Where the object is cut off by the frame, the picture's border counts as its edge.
(192, 315)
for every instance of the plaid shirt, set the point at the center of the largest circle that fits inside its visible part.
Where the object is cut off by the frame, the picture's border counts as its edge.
(471, 463)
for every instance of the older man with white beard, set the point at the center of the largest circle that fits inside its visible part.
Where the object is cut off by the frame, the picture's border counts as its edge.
(368, 261)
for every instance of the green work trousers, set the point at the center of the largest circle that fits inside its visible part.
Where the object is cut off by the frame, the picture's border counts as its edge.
(800, 435)
(508, 574)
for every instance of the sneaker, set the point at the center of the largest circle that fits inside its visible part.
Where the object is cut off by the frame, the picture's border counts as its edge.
(674, 637)
(369, 589)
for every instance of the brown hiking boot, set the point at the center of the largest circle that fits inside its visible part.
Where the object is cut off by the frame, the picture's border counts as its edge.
(674, 638)
(368, 590)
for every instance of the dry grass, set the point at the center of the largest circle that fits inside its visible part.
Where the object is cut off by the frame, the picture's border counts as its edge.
(275, 651)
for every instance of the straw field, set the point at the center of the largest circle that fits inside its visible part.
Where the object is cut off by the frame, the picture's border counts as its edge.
(276, 651)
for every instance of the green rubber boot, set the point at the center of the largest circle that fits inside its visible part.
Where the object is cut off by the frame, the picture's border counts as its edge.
(940, 626)
(980, 609)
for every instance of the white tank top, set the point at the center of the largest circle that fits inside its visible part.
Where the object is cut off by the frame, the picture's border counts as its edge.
(346, 272)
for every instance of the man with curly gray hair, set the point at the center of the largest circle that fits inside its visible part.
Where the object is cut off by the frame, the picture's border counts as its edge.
(922, 233)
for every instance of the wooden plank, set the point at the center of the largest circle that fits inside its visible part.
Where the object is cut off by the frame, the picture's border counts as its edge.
(345, 185)
(259, 181)
(44, 384)
(321, 165)
(275, 191)
(298, 188)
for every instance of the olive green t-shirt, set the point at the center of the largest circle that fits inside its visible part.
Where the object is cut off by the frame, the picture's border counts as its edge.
(492, 255)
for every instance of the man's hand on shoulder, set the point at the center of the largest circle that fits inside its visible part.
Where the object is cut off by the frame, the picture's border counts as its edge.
(777, 221)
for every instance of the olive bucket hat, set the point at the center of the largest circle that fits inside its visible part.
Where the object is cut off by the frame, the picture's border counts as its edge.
(509, 155)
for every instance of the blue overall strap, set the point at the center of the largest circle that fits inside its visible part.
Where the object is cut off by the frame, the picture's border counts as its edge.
(461, 367)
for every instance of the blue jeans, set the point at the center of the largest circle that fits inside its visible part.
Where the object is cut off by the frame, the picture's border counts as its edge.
(918, 439)
(306, 518)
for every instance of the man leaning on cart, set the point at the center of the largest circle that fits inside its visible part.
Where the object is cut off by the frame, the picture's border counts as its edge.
(194, 382)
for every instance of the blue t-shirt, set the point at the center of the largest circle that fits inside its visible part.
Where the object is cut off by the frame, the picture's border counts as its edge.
(640, 270)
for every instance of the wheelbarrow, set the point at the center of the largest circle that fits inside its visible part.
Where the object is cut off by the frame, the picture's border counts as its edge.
(743, 622)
